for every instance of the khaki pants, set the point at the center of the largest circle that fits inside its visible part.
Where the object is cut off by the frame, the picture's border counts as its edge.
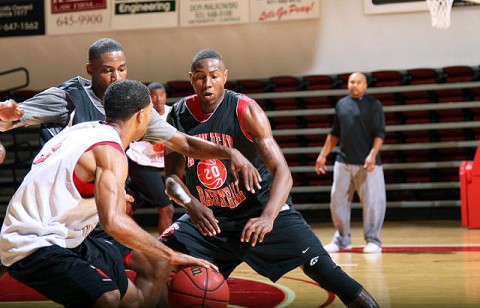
(371, 191)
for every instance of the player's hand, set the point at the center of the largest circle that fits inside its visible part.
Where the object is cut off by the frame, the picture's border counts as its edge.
(180, 259)
(10, 111)
(202, 217)
(320, 164)
(129, 198)
(255, 230)
(251, 176)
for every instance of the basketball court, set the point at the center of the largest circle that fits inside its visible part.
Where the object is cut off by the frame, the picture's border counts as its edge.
(434, 263)
(424, 264)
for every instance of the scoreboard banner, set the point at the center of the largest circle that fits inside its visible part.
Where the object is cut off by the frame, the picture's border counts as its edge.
(21, 18)
(60, 17)
(142, 14)
(77, 16)
(213, 12)
(282, 10)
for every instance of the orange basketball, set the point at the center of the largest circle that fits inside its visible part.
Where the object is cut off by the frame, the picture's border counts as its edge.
(195, 286)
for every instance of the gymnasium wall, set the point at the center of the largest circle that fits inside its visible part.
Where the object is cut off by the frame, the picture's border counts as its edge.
(343, 39)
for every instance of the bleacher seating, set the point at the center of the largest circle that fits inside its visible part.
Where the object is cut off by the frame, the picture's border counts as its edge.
(432, 124)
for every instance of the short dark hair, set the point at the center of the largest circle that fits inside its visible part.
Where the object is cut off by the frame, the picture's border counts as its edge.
(205, 54)
(101, 46)
(155, 86)
(124, 98)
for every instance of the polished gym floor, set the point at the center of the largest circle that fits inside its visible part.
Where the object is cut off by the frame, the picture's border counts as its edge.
(434, 263)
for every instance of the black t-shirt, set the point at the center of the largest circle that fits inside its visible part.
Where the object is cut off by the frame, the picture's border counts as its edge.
(357, 122)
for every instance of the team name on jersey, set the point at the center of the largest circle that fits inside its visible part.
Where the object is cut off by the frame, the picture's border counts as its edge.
(217, 138)
(230, 196)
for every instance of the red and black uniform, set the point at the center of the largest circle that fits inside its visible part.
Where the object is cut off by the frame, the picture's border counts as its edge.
(290, 244)
(210, 180)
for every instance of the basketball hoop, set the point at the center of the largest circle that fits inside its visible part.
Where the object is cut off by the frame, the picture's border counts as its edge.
(440, 13)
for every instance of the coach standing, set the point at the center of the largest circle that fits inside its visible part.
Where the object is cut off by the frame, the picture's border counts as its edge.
(359, 131)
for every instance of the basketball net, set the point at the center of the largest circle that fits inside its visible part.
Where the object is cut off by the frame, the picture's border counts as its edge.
(440, 13)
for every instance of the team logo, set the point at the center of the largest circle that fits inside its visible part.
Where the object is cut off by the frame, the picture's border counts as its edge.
(212, 173)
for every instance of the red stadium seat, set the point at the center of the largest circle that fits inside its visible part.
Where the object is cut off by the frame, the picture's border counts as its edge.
(388, 99)
(417, 97)
(321, 82)
(386, 78)
(285, 104)
(318, 102)
(253, 86)
(286, 83)
(451, 95)
(459, 73)
(423, 76)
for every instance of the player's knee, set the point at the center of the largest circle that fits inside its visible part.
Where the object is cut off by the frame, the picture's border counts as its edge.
(108, 299)
(321, 269)
(331, 277)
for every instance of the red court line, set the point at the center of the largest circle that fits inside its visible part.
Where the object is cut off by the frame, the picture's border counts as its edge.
(420, 249)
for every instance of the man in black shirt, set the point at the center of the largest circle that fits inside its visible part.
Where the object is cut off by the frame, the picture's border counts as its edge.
(359, 131)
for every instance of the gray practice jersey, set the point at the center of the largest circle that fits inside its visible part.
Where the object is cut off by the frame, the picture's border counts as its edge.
(57, 105)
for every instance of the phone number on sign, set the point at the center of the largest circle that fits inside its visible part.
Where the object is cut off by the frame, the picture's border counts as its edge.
(72, 20)
(20, 26)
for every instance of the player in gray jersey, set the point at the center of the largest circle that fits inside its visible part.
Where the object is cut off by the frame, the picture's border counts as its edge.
(78, 100)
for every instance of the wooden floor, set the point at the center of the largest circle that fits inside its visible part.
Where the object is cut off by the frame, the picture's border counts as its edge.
(424, 264)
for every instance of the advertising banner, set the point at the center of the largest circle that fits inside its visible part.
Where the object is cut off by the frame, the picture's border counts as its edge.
(21, 17)
(213, 12)
(77, 16)
(281, 10)
(143, 14)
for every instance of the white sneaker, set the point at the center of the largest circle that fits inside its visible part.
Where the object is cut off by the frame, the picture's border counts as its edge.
(372, 248)
(332, 247)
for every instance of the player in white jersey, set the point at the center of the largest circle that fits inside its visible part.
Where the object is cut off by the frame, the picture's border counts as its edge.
(76, 181)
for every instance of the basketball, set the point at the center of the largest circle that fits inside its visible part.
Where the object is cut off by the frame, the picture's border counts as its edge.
(195, 286)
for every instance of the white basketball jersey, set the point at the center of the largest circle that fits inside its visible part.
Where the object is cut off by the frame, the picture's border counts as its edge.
(47, 209)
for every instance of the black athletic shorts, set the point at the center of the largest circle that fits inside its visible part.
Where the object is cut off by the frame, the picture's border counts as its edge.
(146, 186)
(126, 252)
(74, 277)
(290, 244)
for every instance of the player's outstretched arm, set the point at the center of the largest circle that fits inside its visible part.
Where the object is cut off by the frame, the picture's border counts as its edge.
(49, 106)
(9, 112)
(110, 172)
